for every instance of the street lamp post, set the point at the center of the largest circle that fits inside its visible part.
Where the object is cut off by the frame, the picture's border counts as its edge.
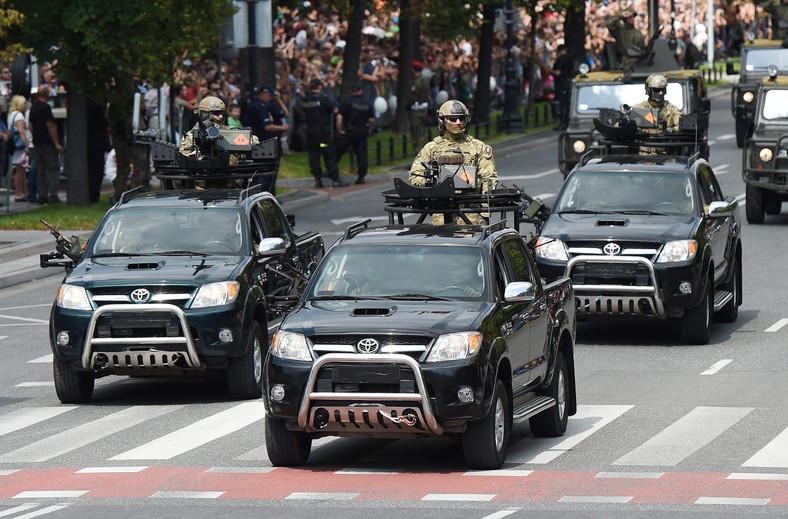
(511, 114)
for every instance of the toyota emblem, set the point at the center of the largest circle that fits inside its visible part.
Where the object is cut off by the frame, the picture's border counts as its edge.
(140, 295)
(368, 346)
(611, 249)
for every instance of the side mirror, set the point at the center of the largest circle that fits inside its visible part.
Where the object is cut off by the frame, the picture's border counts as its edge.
(271, 247)
(720, 209)
(519, 292)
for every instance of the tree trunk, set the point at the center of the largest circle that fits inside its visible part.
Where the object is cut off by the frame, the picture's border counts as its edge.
(76, 155)
(409, 38)
(574, 31)
(352, 53)
(532, 69)
(481, 105)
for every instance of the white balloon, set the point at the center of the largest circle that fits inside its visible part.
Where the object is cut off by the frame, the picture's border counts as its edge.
(380, 105)
(393, 103)
(427, 73)
(442, 97)
(493, 83)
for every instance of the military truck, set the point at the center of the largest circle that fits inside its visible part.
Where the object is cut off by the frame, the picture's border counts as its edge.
(756, 56)
(592, 91)
(765, 155)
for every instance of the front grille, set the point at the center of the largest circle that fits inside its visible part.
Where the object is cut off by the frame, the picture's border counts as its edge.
(648, 250)
(411, 345)
(366, 378)
(177, 295)
(625, 274)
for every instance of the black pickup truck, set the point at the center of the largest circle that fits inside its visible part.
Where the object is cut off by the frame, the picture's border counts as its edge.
(419, 331)
(177, 282)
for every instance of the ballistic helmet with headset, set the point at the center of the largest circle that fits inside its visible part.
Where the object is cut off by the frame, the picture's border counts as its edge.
(453, 108)
(656, 87)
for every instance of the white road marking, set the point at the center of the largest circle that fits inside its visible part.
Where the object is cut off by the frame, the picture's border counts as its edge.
(324, 496)
(501, 513)
(758, 477)
(27, 416)
(41, 494)
(726, 137)
(20, 508)
(500, 472)
(721, 169)
(3, 337)
(110, 470)
(774, 454)
(35, 384)
(716, 367)
(26, 319)
(458, 497)
(43, 511)
(25, 307)
(777, 326)
(196, 434)
(8, 472)
(354, 219)
(741, 197)
(545, 196)
(46, 359)
(528, 177)
(85, 434)
(588, 420)
(186, 494)
(731, 501)
(685, 436)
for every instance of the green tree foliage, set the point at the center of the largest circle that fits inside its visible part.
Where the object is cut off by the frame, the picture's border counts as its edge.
(10, 21)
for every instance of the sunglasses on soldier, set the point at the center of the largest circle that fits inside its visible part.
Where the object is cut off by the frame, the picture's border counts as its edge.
(455, 118)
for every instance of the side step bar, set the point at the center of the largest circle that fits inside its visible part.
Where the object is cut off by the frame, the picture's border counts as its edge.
(532, 407)
(721, 298)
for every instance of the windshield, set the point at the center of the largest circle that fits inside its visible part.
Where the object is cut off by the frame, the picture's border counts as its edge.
(158, 230)
(590, 98)
(775, 105)
(405, 272)
(760, 59)
(626, 191)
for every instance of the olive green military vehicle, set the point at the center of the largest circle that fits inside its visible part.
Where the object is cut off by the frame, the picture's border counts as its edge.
(756, 56)
(592, 91)
(765, 155)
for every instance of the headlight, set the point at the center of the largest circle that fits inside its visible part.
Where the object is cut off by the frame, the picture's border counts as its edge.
(579, 146)
(765, 154)
(289, 345)
(455, 346)
(680, 250)
(551, 248)
(747, 97)
(72, 297)
(216, 294)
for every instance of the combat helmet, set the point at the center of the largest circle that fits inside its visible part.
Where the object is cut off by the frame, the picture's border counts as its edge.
(656, 86)
(453, 108)
(210, 105)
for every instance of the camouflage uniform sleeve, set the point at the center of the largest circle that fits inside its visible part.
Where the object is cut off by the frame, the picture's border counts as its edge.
(672, 116)
(418, 170)
(487, 173)
(187, 144)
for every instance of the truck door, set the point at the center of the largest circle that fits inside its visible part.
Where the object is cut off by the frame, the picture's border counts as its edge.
(512, 323)
(717, 230)
(266, 223)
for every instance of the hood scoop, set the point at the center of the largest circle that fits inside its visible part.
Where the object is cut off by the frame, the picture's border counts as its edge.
(145, 266)
(617, 222)
(373, 312)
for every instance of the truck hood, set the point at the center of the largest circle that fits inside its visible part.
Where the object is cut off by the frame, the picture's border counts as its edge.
(192, 270)
(569, 227)
(431, 317)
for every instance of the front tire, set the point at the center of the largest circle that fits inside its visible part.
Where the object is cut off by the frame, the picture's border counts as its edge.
(696, 323)
(484, 443)
(245, 374)
(754, 205)
(552, 422)
(285, 448)
(71, 386)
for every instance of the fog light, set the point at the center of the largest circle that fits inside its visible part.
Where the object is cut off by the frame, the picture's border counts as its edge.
(62, 339)
(465, 394)
(685, 287)
(225, 335)
(277, 392)
(579, 146)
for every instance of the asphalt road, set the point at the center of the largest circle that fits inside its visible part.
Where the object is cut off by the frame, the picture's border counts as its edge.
(663, 429)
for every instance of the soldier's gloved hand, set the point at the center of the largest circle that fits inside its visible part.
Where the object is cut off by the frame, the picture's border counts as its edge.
(669, 130)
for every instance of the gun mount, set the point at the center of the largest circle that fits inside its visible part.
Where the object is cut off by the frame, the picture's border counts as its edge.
(70, 248)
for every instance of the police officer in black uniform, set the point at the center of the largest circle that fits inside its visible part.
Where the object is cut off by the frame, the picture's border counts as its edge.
(355, 118)
(317, 111)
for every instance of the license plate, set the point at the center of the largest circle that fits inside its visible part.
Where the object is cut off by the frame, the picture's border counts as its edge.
(362, 374)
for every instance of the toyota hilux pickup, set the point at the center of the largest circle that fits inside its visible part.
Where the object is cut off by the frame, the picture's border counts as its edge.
(177, 282)
(422, 331)
(646, 235)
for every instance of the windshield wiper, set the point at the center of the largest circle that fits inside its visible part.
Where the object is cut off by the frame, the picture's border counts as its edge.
(639, 211)
(330, 297)
(582, 211)
(424, 297)
(123, 254)
(182, 253)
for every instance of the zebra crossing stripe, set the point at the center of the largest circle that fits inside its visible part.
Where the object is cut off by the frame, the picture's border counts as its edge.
(197, 434)
(685, 436)
(17, 509)
(27, 416)
(82, 435)
(774, 454)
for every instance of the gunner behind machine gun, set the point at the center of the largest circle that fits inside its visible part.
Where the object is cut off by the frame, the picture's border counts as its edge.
(202, 138)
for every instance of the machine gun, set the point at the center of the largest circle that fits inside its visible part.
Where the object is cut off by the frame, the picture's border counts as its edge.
(70, 248)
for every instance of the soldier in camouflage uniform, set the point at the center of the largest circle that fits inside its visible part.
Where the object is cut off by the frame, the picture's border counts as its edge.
(665, 112)
(453, 142)
(630, 41)
(418, 102)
